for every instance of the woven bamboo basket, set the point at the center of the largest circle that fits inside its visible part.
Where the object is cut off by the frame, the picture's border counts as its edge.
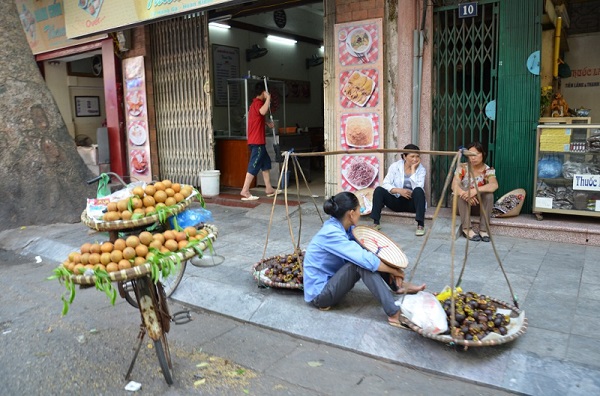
(520, 192)
(144, 269)
(516, 315)
(378, 243)
(128, 224)
(258, 270)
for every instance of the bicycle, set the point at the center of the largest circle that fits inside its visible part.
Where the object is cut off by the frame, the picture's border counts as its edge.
(150, 298)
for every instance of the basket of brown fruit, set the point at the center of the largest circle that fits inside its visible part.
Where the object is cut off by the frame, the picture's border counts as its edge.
(283, 271)
(479, 320)
(138, 206)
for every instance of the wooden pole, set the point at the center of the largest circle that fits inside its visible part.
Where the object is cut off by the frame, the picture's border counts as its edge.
(466, 153)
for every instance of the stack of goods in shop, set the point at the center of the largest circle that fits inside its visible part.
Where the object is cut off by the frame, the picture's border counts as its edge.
(555, 140)
(593, 142)
(283, 270)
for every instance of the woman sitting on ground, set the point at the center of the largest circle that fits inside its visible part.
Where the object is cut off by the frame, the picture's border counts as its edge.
(334, 262)
(464, 186)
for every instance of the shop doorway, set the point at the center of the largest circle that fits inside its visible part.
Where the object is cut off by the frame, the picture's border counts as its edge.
(242, 50)
(465, 62)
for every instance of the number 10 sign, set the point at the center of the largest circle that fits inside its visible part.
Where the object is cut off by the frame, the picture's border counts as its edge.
(467, 10)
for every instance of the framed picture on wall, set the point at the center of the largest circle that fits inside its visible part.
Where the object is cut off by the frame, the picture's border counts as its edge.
(87, 106)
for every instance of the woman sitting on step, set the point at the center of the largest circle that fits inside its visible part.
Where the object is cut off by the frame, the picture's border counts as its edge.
(334, 262)
(464, 184)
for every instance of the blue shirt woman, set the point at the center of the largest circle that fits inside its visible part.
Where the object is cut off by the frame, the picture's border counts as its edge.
(334, 262)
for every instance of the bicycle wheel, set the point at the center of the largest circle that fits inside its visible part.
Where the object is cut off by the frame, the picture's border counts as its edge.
(153, 319)
(164, 358)
(171, 282)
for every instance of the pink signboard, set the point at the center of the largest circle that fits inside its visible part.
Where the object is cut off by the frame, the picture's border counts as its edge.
(359, 105)
(136, 116)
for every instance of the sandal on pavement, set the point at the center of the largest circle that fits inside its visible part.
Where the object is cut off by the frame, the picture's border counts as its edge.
(274, 192)
(475, 237)
(396, 322)
(250, 198)
(420, 231)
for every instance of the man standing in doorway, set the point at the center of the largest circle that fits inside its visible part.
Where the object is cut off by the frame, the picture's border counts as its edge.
(259, 158)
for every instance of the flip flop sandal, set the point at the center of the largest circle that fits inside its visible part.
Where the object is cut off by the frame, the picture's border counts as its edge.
(398, 325)
(250, 198)
(273, 193)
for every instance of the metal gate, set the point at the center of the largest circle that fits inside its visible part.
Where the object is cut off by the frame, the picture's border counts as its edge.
(465, 70)
(180, 65)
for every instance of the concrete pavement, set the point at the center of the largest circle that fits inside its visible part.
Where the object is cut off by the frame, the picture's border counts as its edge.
(557, 284)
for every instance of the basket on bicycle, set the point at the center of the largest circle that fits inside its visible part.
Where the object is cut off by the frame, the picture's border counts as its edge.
(126, 224)
(128, 274)
(146, 268)
(282, 271)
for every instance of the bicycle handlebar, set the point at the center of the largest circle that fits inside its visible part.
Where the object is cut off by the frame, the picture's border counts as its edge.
(111, 174)
(94, 180)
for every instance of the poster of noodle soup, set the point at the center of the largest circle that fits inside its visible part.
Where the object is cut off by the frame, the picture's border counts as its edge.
(360, 171)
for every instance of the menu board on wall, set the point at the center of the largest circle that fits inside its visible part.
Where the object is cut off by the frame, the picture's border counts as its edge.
(136, 117)
(359, 105)
(226, 65)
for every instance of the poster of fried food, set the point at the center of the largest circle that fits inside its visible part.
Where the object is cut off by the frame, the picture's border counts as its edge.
(136, 119)
(360, 103)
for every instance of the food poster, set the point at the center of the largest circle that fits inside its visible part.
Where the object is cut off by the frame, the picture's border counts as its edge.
(359, 107)
(360, 171)
(136, 117)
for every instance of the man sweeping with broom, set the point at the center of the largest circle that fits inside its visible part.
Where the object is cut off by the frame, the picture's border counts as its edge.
(259, 158)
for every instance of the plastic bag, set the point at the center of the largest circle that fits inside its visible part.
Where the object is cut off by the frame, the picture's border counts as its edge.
(103, 188)
(96, 207)
(549, 167)
(424, 310)
(366, 205)
(192, 217)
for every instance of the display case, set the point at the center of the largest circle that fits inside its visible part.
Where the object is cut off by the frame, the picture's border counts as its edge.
(240, 93)
(567, 168)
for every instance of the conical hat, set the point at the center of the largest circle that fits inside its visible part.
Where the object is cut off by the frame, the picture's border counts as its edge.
(378, 243)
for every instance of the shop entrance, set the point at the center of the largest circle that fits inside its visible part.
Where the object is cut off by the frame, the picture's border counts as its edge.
(465, 62)
(243, 51)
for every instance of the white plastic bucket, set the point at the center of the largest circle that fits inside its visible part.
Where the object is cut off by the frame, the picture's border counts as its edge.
(209, 183)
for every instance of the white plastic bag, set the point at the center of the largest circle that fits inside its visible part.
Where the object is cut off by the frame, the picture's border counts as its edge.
(424, 310)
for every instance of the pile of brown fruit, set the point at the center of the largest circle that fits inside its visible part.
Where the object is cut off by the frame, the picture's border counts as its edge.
(146, 201)
(475, 316)
(132, 251)
(285, 268)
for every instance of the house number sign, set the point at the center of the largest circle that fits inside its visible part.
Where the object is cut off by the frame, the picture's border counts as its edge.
(467, 10)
